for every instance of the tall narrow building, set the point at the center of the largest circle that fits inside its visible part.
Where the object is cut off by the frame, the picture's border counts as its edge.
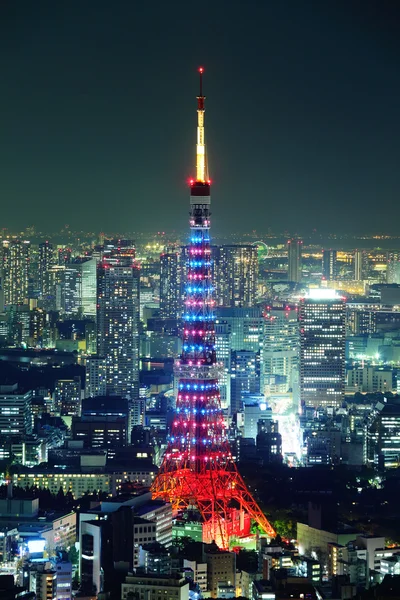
(235, 275)
(171, 284)
(329, 264)
(118, 318)
(15, 271)
(198, 470)
(46, 261)
(294, 248)
(322, 349)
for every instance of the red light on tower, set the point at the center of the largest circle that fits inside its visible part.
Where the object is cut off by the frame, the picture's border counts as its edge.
(201, 70)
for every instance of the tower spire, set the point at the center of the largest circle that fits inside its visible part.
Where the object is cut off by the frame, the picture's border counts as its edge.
(198, 472)
(201, 166)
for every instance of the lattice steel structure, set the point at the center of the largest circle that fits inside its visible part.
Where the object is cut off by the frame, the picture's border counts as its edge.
(198, 471)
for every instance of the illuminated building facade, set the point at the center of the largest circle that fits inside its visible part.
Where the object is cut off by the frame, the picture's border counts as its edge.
(198, 468)
(360, 265)
(281, 344)
(15, 411)
(88, 287)
(294, 249)
(67, 396)
(322, 349)
(393, 268)
(46, 260)
(235, 275)
(118, 318)
(170, 284)
(15, 271)
(329, 265)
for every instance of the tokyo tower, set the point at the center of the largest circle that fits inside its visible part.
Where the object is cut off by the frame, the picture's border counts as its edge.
(198, 471)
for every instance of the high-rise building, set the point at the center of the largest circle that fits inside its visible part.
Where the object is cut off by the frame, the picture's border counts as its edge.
(171, 284)
(245, 376)
(15, 271)
(235, 275)
(383, 436)
(322, 349)
(95, 378)
(118, 284)
(294, 248)
(46, 260)
(329, 264)
(89, 287)
(245, 325)
(281, 344)
(54, 301)
(223, 351)
(360, 265)
(72, 293)
(393, 268)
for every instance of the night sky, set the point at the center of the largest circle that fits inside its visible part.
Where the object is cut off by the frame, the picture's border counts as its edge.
(98, 113)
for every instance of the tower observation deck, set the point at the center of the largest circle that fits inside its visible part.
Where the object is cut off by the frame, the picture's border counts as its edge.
(198, 472)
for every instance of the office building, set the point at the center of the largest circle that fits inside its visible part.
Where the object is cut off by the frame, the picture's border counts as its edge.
(329, 265)
(281, 344)
(118, 318)
(294, 249)
(154, 586)
(235, 275)
(15, 411)
(95, 377)
(64, 580)
(245, 376)
(89, 287)
(322, 349)
(67, 396)
(171, 284)
(103, 423)
(245, 325)
(16, 255)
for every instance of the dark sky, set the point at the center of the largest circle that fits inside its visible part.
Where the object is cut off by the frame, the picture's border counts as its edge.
(97, 113)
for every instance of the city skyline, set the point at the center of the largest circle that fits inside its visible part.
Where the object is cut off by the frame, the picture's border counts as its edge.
(95, 114)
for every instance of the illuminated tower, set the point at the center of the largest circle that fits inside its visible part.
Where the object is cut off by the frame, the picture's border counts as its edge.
(198, 472)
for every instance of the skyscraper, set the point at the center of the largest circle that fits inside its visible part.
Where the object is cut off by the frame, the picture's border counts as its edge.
(118, 318)
(170, 284)
(15, 271)
(360, 265)
(88, 287)
(294, 248)
(46, 260)
(322, 349)
(281, 344)
(245, 376)
(329, 264)
(235, 275)
(72, 292)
